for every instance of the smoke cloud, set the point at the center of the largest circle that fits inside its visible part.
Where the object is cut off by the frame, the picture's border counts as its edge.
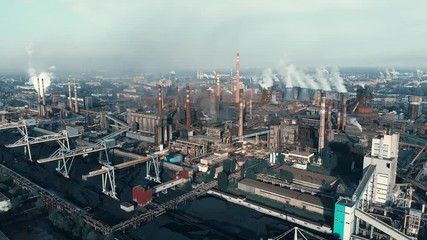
(420, 74)
(292, 76)
(354, 122)
(33, 75)
(268, 78)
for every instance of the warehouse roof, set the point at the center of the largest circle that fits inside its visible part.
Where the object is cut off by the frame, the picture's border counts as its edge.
(307, 176)
(321, 202)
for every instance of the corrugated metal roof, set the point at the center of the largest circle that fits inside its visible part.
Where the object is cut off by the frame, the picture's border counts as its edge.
(326, 203)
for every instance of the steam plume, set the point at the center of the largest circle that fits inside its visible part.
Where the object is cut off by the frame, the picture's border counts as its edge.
(32, 73)
(353, 121)
(292, 76)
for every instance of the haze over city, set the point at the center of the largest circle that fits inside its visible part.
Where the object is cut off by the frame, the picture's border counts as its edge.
(187, 119)
(174, 35)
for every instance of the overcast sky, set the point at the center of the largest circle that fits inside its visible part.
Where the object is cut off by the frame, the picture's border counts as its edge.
(191, 34)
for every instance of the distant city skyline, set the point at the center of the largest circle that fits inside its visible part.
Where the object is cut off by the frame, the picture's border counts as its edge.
(189, 34)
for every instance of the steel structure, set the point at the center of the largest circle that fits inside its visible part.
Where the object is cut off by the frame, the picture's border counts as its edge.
(22, 128)
(298, 234)
(65, 156)
(107, 173)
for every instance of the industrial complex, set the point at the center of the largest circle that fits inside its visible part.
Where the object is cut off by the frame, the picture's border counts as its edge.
(337, 156)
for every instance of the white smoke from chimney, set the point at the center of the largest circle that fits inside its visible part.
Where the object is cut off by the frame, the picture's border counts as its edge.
(323, 78)
(268, 78)
(387, 74)
(32, 73)
(338, 81)
(420, 74)
(394, 74)
(353, 121)
(292, 76)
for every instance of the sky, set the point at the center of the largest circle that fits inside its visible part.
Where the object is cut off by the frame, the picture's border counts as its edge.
(147, 35)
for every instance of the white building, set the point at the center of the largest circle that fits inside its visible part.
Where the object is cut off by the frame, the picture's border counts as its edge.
(384, 154)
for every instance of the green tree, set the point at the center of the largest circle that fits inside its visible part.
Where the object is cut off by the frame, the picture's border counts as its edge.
(222, 181)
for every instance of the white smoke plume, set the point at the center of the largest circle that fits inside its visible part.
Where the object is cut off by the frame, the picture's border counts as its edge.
(337, 80)
(394, 74)
(292, 76)
(323, 78)
(420, 74)
(381, 75)
(268, 78)
(353, 121)
(32, 73)
(387, 74)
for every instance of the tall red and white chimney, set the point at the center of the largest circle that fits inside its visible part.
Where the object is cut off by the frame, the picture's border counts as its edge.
(188, 108)
(159, 99)
(322, 123)
(218, 85)
(237, 78)
(76, 101)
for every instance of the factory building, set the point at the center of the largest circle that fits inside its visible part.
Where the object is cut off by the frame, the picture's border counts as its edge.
(300, 200)
(384, 154)
(310, 179)
(414, 107)
(149, 127)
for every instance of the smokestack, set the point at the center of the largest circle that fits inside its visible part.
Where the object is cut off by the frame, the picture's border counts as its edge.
(330, 131)
(70, 101)
(344, 111)
(317, 97)
(218, 86)
(43, 98)
(250, 106)
(237, 78)
(240, 133)
(160, 106)
(44, 93)
(188, 108)
(322, 123)
(38, 97)
(76, 101)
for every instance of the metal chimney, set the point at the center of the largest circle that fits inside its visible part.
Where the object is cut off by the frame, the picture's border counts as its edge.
(218, 86)
(188, 108)
(38, 97)
(344, 111)
(240, 133)
(322, 123)
(160, 106)
(237, 78)
(70, 101)
(44, 99)
(330, 131)
(76, 101)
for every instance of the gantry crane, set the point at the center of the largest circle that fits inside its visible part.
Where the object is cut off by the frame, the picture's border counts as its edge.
(107, 173)
(21, 126)
(65, 156)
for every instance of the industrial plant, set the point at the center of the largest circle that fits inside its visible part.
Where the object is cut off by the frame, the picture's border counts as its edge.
(333, 158)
